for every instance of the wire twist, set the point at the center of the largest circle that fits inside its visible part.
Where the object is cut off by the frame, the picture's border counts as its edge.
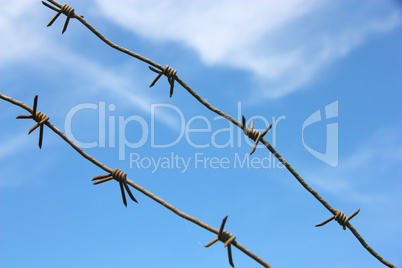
(170, 74)
(66, 10)
(38, 117)
(340, 217)
(119, 176)
(254, 134)
(225, 237)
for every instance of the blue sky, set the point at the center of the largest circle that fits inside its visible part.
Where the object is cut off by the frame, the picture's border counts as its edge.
(277, 61)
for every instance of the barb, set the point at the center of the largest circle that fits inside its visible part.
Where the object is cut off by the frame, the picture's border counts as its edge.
(340, 217)
(170, 74)
(119, 176)
(39, 117)
(65, 9)
(226, 237)
(253, 133)
(134, 185)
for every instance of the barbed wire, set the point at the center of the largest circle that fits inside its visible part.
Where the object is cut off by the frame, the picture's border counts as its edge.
(256, 136)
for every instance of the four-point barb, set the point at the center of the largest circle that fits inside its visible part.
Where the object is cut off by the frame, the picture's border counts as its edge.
(65, 9)
(226, 238)
(170, 74)
(340, 217)
(119, 176)
(253, 133)
(39, 117)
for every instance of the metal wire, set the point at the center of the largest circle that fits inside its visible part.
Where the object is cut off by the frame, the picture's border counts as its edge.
(171, 74)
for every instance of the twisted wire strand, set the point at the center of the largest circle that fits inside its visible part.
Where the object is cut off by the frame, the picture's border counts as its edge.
(340, 217)
(169, 72)
(64, 9)
(235, 122)
(251, 132)
(41, 118)
(67, 10)
(254, 134)
(227, 238)
(119, 176)
(38, 117)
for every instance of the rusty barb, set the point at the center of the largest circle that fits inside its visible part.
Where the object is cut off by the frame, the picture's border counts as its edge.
(226, 238)
(65, 9)
(170, 74)
(340, 217)
(39, 117)
(253, 133)
(119, 176)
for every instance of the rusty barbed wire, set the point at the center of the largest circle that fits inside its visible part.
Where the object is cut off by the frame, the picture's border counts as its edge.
(37, 116)
(66, 10)
(229, 118)
(170, 74)
(340, 217)
(254, 134)
(121, 176)
(226, 237)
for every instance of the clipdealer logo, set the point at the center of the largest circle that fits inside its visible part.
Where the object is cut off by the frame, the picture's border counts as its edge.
(112, 134)
(115, 127)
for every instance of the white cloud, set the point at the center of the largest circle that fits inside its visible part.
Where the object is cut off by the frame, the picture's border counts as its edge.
(284, 44)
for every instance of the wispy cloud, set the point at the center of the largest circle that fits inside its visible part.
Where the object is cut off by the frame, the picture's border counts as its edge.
(375, 164)
(284, 44)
